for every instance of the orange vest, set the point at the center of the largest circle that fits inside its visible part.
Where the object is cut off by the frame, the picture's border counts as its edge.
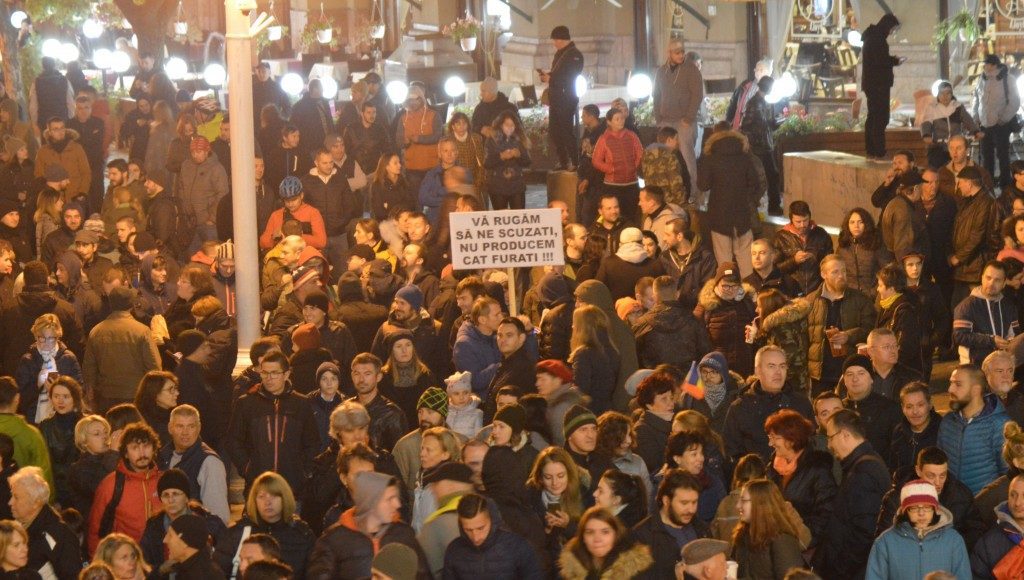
(415, 124)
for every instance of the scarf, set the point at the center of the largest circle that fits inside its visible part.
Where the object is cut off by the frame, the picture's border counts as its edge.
(785, 468)
(406, 374)
(885, 303)
(549, 498)
(43, 407)
(714, 395)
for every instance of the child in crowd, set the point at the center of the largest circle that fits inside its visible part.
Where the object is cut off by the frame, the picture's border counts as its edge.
(464, 414)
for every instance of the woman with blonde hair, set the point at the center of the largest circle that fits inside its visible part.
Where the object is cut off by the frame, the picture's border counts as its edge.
(438, 445)
(595, 360)
(996, 492)
(47, 218)
(765, 543)
(14, 551)
(269, 509)
(603, 548)
(46, 360)
(96, 459)
(123, 555)
(556, 494)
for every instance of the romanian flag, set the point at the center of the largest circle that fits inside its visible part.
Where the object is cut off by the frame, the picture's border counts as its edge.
(694, 385)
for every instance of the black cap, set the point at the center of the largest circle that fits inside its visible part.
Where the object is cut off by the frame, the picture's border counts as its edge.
(910, 179)
(450, 470)
(361, 250)
(560, 33)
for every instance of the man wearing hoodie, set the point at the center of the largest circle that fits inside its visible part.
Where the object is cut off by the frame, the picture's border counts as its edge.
(971, 434)
(876, 82)
(362, 317)
(346, 549)
(483, 543)
(621, 270)
(596, 293)
(62, 148)
(1001, 539)
(996, 102)
(984, 322)
(669, 333)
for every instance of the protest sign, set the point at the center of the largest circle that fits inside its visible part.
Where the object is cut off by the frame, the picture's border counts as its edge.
(515, 238)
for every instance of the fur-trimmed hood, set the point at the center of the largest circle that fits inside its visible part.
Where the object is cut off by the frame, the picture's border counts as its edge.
(792, 312)
(628, 563)
(711, 302)
(69, 134)
(724, 137)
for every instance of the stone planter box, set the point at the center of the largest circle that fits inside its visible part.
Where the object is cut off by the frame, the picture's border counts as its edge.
(851, 142)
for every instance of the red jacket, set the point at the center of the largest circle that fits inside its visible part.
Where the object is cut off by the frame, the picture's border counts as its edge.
(139, 501)
(618, 156)
(305, 214)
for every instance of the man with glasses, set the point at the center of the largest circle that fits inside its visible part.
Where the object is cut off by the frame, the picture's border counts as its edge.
(726, 308)
(272, 428)
(888, 375)
(849, 531)
(62, 148)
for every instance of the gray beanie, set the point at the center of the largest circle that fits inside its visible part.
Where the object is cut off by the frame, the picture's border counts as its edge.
(369, 488)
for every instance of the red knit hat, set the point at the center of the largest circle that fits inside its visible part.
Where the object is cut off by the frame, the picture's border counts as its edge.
(555, 368)
(306, 336)
(918, 492)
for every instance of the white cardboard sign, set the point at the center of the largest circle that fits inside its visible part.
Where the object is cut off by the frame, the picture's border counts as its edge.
(515, 238)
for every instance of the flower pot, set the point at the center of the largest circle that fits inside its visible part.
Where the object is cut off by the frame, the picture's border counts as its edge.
(181, 28)
(377, 31)
(274, 33)
(468, 44)
(324, 36)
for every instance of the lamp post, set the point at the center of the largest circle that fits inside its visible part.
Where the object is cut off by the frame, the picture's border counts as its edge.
(243, 177)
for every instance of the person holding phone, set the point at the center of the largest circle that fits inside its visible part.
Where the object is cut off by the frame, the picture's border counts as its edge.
(39, 368)
(555, 492)
(877, 79)
(562, 98)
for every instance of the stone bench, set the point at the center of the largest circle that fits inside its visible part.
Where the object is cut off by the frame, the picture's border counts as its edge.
(832, 183)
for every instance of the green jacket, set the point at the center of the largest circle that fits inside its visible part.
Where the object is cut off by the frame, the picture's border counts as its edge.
(29, 447)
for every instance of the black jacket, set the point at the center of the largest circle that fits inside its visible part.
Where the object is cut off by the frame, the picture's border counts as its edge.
(152, 541)
(504, 555)
(387, 422)
(878, 415)
(199, 565)
(716, 417)
(293, 536)
(726, 321)
(344, 552)
(691, 272)
(621, 276)
(273, 433)
(334, 200)
(940, 235)
(17, 319)
(361, 317)
(787, 244)
(955, 496)
(484, 114)
(556, 330)
(776, 280)
(652, 434)
(666, 551)
(734, 178)
(85, 475)
(670, 334)
(905, 444)
(595, 371)
(744, 422)
(565, 67)
(65, 554)
(878, 63)
(849, 533)
(811, 489)
(59, 434)
(995, 544)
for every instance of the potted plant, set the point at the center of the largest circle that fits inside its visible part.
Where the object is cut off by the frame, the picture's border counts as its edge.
(319, 32)
(963, 25)
(465, 31)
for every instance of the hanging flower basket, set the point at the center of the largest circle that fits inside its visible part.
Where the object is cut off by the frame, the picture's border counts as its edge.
(468, 44)
(274, 33)
(465, 31)
(377, 31)
(181, 28)
(324, 35)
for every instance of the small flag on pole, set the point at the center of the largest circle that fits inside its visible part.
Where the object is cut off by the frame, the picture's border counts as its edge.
(694, 384)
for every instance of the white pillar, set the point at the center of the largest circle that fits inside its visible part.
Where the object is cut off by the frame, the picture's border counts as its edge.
(243, 178)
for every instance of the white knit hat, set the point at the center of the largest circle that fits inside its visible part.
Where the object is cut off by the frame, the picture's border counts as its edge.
(918, 492)
(459, 382)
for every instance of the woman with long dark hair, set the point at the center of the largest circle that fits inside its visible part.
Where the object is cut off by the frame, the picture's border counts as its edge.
(59, 431)
(508, 155)
(624, 495)
(390, 193)
(603, 548)
(593, 252)
(765, 542)
(594, 359)
(860, 247)
(156, 396)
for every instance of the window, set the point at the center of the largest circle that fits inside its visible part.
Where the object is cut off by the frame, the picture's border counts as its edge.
(502, 11)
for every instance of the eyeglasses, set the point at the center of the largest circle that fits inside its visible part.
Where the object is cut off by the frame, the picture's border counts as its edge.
(829, 437)
(920, 509)
(47, 339)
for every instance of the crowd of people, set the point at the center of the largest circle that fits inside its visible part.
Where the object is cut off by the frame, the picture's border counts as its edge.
(689, 396)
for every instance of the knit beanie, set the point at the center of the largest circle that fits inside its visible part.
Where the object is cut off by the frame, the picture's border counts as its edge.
(95, 224)
(369, 487)
(551, 288)
(512, 415)
(192, 530)
(918, 492)
(625, 306)
(396, 561)
(174, 479)
(144, 242)
(631, 235)
(459, 382)
(412, 294)
(327, 367)
(225, 251)
(576, 417)
(857, 360)
(555, 368)
(317, 298)
(434, 399)
(390, 338)
(727, 270)
(199, 144)
(306, 336)
(55, 173)
(716, 361)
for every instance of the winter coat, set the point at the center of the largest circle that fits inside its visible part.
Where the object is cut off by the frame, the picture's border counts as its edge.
(367, 144)
(735, 180)
(904, 228)
(621, 275)
(651, 532)
(678, 93)
(259, 436)
(905, 553)
(975, 447)
(626, 561)
(862, 263)
(429, 348)
(977, 320)
(337, 204)
(477, 353)
(86, 474)
(200, 187)
(716, 417)
(594, 373)
(152, 542)
(744, 422)
(18, 316)
(691, 271)
(726, 322)
(387, 422)
(559, 404)
(846, 539)
(652, 434)
(786, 328)
(879, 415)
(996, 99)
(556, 330)
(758, 125)
(617, 154)
(504, 555)
(857, 318)
(770, 561)
(505, 177)
(519, 370)
(70, 155)
(119, 352)
(466, 420)
(566, 65)
(293, 536)
(29, 446)
(595, 293)
(661, 167)
(139, 501)
(940, 122)
(484, 114)
(906, 444)
(313, 118)
(787, 243)
(387, 198)
(811, 489)
(51, 541)
(877, 63)
(59, 433)
(975, 235)
(27, 377)
(954, 497)
(669, 334)
(997, 542)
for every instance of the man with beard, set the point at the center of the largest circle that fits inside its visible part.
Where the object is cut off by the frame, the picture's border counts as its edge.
(61, 239)
(62, 148)
(407, 313)
(609, 223)
(387, 421)
(431, 411)
(674, 524)
(416, 273)
(136, 476)
(971, 434)
(984, 322)
(161, 215)
(368, 139)
(998, 368)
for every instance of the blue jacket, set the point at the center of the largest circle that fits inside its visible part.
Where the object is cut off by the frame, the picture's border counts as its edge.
(975, 448)
(432, 189)
(479, 354)
(976, 320)
(503, 556)
(900, 554)
(995, 544)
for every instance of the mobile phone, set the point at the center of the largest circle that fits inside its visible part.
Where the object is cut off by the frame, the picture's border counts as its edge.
(554, 507)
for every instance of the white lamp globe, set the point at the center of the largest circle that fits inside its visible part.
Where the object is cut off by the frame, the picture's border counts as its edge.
(784, 88)
(68, 53)
(639, 87)
(454, 87)
(855, 39)
(397, 91)
(581, 86)
(92, 28)
(330, 87)
(120, 62)
(935, 87)
(292, 84)
(214, 74)
(103, 59)
(176, 68)
(51, 48)
(17, 17)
